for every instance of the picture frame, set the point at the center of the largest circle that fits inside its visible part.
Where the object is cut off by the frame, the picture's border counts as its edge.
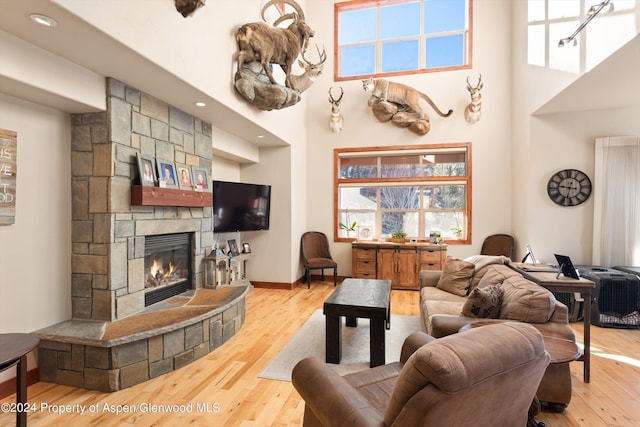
(246, 248)
(200, 179)
(183, 174)
(233, 247)
(146, 170)
(166, 174)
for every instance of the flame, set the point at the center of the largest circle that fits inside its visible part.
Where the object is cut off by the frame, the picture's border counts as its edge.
(156, 268)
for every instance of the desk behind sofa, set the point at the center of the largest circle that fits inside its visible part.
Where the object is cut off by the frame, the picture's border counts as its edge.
(549, 281)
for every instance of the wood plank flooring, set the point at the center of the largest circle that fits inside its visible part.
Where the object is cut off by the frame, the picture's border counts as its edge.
(223, 388)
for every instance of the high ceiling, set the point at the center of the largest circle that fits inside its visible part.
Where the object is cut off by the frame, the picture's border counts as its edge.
(612, 84)
(82, 44)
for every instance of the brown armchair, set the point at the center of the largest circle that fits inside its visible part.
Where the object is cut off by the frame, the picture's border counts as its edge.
(499, 244)
(481, 377)
(316, 255)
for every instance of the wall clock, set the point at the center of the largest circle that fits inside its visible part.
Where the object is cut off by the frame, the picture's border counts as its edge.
(569, 187)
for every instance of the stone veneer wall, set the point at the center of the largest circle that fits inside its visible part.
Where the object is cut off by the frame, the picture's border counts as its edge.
(110, 367)
(108, 233)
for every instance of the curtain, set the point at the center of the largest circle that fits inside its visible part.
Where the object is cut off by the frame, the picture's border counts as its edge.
(616, 232)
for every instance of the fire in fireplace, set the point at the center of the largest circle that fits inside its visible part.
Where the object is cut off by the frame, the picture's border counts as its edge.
(167, 266)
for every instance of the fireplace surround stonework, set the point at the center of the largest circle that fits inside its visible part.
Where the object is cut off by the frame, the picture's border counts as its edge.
(112, 340)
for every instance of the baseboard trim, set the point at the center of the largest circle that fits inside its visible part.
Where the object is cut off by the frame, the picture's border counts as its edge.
(298, 282)
(7, 388)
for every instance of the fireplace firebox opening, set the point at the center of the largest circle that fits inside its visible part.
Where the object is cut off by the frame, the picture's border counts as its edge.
(167, 266)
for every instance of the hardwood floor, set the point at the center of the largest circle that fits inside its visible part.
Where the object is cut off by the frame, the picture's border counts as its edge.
(225, 383)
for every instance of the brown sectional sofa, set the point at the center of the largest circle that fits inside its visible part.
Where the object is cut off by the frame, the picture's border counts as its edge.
(442, 304)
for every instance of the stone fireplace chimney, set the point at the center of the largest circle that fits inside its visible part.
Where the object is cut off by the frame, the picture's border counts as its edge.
(108, 233)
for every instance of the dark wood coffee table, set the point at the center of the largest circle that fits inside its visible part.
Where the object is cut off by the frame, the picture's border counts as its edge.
(364, 298)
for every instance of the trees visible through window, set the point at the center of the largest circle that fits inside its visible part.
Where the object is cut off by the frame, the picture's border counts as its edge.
(395, 37)
(418, 189)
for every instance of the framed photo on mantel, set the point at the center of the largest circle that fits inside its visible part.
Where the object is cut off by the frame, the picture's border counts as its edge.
(233, 247)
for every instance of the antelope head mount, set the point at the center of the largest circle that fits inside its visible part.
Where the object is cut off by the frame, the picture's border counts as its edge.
(336, 121)
(473, 110)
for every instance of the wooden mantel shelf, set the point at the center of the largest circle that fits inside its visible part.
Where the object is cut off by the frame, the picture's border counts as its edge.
(157, 196)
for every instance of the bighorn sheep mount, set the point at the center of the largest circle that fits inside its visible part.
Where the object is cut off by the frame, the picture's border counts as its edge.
(400, 104)
(260, 45)
(472, 111)
(188, 7)
(336, 120)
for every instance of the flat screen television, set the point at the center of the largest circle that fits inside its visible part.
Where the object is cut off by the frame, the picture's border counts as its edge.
(240, 207)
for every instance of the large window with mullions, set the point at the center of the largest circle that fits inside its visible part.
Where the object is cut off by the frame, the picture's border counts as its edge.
(394, 37)
(416, 189)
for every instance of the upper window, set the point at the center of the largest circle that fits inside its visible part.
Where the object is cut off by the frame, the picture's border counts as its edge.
(549, 21)
(393, 37)
(420, 190)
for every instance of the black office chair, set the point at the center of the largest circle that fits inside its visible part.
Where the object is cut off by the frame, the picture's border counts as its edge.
(316, 255)
(499, 244)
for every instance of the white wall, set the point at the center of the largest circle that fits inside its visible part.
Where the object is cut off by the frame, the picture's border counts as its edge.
(35, 252)
(490, 137)
(200, 49)
(545, 144)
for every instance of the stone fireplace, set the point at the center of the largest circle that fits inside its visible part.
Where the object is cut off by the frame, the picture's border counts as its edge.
(133, 320)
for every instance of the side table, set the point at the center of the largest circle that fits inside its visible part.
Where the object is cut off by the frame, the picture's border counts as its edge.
(13, 352)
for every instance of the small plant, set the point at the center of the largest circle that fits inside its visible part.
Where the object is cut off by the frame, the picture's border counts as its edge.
(347, 227)
(398, 234)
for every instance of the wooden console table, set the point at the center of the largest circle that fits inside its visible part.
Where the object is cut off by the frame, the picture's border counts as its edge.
(398, 262)
(564, 284)
(13, 352)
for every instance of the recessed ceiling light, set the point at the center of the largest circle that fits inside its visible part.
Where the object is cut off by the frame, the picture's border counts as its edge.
(201, 104)
(43, 20)
(260, 136)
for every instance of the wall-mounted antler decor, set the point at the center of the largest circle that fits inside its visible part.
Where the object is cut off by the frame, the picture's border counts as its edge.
(472, 111)
(188, 7)
(260, 45)
(336, 120)
(400, 104)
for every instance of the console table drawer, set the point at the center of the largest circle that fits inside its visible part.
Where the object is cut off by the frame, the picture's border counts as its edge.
(366, 254)
(366, 266)
(430, 257)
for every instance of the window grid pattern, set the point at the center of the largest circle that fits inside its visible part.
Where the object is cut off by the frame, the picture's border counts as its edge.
(416, 189)
(375, 48)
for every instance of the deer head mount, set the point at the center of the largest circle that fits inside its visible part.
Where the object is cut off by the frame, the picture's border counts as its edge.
(312, 70)
(473, 111)
(336, 120)
(188, 7)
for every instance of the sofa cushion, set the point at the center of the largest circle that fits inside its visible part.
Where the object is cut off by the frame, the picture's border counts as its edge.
(483, 302)
(526, 301)
(455, 276)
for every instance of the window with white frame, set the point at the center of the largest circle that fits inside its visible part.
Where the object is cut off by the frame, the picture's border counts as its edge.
(549, 21)
(418, 189)
(394, 37)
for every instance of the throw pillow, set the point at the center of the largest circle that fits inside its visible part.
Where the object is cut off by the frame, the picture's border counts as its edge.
(455, 276)
(483, 302)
